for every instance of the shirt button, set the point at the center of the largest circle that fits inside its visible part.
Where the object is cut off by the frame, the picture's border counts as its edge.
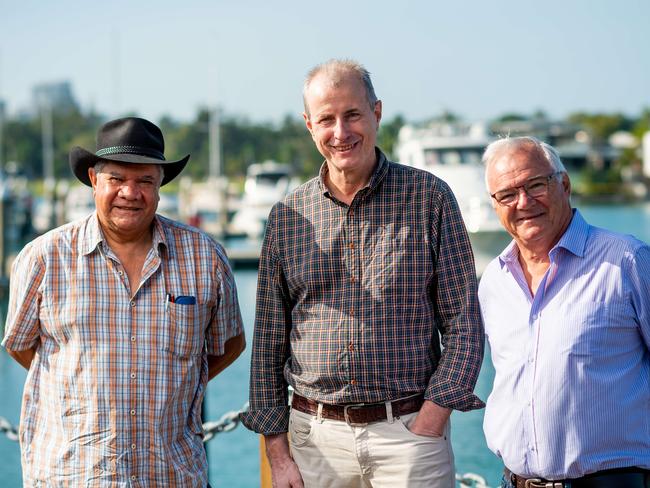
(133, 477)
(132, 412)
(132, 376)
(132, 446)
(352, 245)
(132, 338)
(133, 304)
(120, 272)
(353, 382)
(351, 347)
(352, 313)
(353, 279)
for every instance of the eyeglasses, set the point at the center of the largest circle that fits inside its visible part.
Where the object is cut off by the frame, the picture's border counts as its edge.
(535, 187)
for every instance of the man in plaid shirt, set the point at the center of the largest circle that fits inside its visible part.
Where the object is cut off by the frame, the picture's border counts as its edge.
(121, 319)
(363, 271)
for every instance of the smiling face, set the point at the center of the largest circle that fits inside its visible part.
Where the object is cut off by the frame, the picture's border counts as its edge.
(342, 122)
(534, 223)
(126, 197)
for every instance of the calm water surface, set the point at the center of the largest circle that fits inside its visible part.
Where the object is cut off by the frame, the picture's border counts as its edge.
(234, 456)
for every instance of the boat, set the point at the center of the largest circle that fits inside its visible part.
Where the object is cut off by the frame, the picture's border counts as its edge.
(79, 203)
(452, 152)
(266, 183)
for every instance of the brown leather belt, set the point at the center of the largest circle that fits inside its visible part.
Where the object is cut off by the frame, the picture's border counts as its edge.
(361, 413)
(610, 478)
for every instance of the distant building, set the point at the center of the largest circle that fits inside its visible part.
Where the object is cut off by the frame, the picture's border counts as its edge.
(572, 143)
(57, 95)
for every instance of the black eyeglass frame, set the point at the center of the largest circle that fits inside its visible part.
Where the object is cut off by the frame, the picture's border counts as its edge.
(525, 188)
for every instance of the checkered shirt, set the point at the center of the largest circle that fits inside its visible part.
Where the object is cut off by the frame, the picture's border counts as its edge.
(351, 299)
(113, 395)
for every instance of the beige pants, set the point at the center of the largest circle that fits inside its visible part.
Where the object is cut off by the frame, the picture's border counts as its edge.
(331, 453)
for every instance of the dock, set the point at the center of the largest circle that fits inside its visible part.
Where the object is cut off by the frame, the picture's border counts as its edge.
(247, 258)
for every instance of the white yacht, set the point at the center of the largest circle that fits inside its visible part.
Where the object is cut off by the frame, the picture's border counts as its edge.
(452, 151)
(266, 183)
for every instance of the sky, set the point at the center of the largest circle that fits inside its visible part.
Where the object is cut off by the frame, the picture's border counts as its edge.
(476, 59)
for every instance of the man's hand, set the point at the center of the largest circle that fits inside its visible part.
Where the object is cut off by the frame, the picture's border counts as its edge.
(430, 420)
(284, 471)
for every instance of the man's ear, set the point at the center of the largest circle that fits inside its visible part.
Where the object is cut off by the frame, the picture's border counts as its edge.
(305, 116)
(92, 175)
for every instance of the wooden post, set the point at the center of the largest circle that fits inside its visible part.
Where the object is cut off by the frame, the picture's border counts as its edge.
(265, 467)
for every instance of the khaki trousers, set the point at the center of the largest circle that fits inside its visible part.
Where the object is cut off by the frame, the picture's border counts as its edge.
(333, 454)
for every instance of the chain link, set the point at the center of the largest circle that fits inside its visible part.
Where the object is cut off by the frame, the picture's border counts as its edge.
(7, 429)
(226, 423)
(471, 480)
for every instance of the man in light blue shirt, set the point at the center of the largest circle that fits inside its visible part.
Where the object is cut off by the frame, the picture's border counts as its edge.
(566, 308)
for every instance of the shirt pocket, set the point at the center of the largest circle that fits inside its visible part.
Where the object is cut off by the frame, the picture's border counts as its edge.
(597, 329)
(186, 325)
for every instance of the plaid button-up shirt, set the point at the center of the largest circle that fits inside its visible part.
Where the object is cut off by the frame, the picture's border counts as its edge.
(351, 299)
(114, 392)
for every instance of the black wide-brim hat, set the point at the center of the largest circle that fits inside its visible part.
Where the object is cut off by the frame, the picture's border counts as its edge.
(127, 140)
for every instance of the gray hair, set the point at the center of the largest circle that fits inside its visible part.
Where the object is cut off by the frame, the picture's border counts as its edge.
(336, 69)
(99, 168)
(513, 144)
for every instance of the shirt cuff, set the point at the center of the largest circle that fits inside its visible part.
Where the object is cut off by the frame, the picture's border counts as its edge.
(453, 396)
(14, 343)
(267, 421)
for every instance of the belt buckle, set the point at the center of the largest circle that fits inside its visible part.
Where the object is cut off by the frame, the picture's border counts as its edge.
(346, 408)
(538, 483)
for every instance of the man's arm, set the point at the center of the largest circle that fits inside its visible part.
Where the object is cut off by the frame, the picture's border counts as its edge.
(231, 351)
(24, 358)
(457, 311)
(284, 471)
(269, 408)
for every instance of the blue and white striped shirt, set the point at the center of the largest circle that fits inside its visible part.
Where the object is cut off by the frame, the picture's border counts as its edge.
(571, 393)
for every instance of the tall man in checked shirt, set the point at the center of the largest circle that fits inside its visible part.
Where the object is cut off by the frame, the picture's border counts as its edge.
(362, 270)
(121, 319)
(566, 308)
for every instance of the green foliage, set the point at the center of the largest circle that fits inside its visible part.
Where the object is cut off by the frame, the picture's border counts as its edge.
(245, 142)
(601, 126)
(388, 131)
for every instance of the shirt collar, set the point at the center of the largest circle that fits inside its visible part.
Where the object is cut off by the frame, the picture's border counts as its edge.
(94, 237)
(573, 240)
(375, 179)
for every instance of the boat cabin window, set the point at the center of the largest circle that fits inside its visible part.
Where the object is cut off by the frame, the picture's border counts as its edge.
(453, 157)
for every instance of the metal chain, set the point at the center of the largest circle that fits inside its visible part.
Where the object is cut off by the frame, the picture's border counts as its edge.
(9, 430)
(226, 423)
(471, 480)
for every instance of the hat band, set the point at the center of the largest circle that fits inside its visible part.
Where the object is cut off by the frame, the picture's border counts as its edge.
(141, 151)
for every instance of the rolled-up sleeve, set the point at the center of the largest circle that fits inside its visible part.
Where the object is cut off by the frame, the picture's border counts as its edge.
(269, 410)
(457, 311)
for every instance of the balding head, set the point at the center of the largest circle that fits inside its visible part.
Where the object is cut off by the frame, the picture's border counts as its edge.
(337, 71)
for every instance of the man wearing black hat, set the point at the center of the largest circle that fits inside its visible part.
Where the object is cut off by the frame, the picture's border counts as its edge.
(121, 319)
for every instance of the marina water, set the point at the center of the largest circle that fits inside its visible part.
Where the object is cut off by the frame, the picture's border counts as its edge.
(234, 456)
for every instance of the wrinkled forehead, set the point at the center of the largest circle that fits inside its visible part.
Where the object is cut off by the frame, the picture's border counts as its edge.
(129, 169)
(513, 166)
